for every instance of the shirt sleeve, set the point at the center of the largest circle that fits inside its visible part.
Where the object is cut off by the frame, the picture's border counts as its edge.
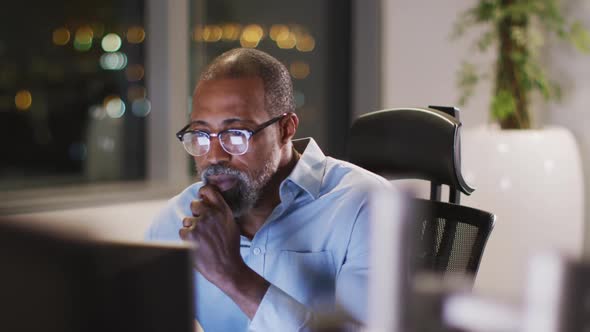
(279, 309)
(168, 221)
(165, 225)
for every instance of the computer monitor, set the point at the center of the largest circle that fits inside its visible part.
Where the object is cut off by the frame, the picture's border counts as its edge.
(54, 282)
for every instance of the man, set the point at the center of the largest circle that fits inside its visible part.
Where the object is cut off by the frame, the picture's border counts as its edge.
(280, 229)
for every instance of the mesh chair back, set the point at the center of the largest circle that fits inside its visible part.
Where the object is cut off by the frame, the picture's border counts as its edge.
(452, 237)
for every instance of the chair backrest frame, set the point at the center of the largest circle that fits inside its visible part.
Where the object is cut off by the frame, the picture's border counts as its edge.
(436, 131)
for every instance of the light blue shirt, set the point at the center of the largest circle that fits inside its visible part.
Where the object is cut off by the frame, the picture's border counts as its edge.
(313, 248)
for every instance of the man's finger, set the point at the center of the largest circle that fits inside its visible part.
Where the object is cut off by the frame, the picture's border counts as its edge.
(185, 234)
(196, 206)
(211, 195)
(188, 222)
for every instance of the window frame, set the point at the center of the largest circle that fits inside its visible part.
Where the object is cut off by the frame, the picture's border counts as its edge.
(167, 42)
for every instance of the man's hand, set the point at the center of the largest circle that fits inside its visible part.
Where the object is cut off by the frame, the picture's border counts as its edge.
(217, 255)
(213, 228)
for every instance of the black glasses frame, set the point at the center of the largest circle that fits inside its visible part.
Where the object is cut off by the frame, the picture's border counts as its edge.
(249, 133)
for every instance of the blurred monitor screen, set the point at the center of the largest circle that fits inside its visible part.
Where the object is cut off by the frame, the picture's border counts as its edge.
(54, 283)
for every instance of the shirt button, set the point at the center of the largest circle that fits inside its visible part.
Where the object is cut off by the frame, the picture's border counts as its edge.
(256, 251)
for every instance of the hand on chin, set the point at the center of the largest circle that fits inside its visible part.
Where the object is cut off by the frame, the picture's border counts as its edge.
(222, 182)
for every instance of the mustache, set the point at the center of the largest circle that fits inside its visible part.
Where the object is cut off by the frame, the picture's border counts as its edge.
(219, 169)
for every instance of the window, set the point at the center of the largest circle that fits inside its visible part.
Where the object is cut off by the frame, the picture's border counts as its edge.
(312, 38)
(73, 99)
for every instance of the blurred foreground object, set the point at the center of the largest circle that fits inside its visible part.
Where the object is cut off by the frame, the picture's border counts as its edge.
(406, 293)
(58, 282)
(556, 298)
(390, 274)
(405, 298)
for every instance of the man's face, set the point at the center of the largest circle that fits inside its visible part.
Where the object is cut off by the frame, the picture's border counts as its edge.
(236, 104)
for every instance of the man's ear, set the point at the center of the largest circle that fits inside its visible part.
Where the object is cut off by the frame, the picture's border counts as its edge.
(289, 127)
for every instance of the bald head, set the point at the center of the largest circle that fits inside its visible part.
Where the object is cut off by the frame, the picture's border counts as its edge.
(247, 62)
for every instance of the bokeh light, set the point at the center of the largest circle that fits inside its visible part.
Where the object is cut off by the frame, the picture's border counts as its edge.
(251, 35)
(97, 112)
(287, 41)
(141, 107)
(277, 30)
(305, 43)
(231, 32)
(113, 61)
(248, 44)
(114, 106)
(299, 99)
(135, 34)
(212, 33)
(106, 143)
(61, 36)
(197, 34)
(83, 38)
(134, 72)
(111, 42)
(299, 70)
(23, 100)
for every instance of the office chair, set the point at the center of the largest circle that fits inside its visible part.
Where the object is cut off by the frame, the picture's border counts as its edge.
(471, 229)
(412, 143)
(424, 143)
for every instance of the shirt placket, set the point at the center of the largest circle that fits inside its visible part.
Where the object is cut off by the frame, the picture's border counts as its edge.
(257, 252)
(254, 252)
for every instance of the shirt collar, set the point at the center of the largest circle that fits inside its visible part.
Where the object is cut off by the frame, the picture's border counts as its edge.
(309, 171)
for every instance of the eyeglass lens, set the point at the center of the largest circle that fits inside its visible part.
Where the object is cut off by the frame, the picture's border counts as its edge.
(232, 141)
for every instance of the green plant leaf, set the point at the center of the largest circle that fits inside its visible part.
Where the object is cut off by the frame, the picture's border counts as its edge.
(540, 83)
(468, 78)
(503, 105)
(463, 22)
(487, 39)
(519, 35)
(580, 37)
(486, 10)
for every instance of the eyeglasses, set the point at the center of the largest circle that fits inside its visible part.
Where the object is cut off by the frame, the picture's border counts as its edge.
(233, 141)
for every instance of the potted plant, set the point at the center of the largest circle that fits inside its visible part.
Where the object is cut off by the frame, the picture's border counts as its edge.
(531, 179)
(518, 30)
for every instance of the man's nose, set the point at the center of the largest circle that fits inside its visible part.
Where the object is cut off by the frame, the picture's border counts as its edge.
(216, 152)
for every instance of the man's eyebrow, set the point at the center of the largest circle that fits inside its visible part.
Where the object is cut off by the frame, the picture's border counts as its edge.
(199, 122)
(236, 120)
(225, 122)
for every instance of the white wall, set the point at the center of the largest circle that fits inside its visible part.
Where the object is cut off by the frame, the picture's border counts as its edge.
(419, 64)
(572, 70)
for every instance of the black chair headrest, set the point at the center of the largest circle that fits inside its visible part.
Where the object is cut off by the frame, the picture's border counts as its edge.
(409, 143)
